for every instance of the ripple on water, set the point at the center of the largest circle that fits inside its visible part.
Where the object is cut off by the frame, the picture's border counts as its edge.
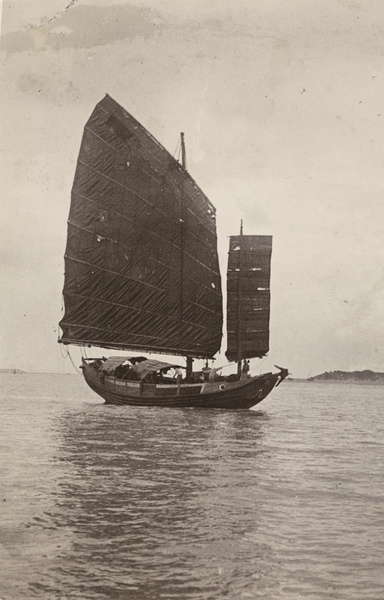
(106, 502)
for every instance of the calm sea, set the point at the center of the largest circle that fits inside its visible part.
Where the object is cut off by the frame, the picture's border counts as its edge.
(283, 502)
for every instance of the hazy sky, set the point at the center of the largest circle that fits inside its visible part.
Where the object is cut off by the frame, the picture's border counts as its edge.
(282, 105)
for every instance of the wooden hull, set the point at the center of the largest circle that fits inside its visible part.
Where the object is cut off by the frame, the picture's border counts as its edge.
(242, 394)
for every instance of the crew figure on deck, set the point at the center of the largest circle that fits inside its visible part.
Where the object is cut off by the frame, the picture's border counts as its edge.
(245, 367)
(178, 375)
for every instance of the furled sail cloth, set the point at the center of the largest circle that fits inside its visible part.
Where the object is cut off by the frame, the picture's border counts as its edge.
(141, 264)
(248, 296)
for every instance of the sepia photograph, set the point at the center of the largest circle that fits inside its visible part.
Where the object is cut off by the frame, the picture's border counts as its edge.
(192, 327)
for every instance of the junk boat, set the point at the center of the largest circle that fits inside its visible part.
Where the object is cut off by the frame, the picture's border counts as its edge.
(142, 274)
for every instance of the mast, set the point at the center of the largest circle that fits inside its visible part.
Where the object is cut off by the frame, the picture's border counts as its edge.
(183, 156)
(239, 304)
(184, 165)
(182, 238)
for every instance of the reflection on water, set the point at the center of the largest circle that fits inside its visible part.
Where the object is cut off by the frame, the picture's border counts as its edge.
(109, 502)
(163, 488)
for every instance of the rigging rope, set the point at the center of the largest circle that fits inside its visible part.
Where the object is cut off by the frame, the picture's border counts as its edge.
(177, 151)
(65, 354)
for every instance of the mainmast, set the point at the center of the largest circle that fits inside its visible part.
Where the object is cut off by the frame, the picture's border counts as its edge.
(183, 155)
(184, 165)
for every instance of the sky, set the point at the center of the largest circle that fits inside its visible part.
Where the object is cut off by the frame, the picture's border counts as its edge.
(282, 105)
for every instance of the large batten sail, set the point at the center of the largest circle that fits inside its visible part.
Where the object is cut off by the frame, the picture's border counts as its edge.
(141, 264)
(248, 296)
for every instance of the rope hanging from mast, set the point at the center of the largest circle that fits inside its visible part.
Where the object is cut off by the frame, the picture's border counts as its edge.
(66, 354)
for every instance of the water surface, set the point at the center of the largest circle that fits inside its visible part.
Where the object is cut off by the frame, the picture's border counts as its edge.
(282, 502)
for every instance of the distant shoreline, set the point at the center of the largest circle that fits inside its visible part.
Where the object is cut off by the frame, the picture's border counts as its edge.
(20, 372)
(338, 381)
(365, 376)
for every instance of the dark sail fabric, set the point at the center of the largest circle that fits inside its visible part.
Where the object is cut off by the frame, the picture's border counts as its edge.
(141, 264)
(248, 296)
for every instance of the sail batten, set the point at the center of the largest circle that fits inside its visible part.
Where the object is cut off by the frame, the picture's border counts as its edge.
(248, 296)
(141, 259)
(106, 238)
(134, 347)
(135, 192)
(149, 313)
(150, 149)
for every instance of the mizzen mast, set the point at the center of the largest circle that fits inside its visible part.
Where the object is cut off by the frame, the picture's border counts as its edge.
(239, 304)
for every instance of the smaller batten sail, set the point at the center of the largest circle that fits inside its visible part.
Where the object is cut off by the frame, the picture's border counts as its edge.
(248, 296)
(141, 263)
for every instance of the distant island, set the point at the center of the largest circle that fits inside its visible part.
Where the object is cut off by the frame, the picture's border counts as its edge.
(366, 376)
(15, 371)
